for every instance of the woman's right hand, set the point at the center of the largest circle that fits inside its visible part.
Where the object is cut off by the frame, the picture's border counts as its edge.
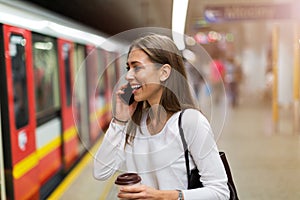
(123, 111)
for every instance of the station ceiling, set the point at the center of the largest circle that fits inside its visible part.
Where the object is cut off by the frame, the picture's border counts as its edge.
(115, 16)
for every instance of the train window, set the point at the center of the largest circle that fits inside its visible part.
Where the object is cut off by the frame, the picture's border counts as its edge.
(46, 75)
(17, 53)
(67, 57)
(101, 75)
(79, 58)
(111, 69)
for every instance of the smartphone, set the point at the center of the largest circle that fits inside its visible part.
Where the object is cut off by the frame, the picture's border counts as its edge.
(127, 97)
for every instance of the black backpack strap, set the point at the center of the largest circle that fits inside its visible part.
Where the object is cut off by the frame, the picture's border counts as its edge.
(185, 147)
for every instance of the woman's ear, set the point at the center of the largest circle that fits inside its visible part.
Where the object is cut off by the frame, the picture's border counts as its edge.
(165, 72)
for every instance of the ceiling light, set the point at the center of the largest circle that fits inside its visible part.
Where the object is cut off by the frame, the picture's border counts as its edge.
(178, 22)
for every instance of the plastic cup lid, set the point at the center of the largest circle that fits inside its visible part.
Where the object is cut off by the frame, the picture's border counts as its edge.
(128, 179)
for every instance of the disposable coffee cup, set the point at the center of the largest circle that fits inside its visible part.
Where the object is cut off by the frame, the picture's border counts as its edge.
(128, 179)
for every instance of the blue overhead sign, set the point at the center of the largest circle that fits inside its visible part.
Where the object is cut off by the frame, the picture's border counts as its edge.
(215, 14)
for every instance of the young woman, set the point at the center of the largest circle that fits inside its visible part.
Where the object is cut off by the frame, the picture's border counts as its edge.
(144, 137)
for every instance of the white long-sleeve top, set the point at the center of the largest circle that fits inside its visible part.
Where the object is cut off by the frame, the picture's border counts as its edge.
(159, 159)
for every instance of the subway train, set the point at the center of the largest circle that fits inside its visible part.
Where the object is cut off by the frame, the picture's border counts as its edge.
(57, 78)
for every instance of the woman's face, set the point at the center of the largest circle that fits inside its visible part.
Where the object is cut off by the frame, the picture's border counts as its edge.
(144, 77)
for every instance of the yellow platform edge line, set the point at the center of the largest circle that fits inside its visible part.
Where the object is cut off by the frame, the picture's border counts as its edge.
(69, 179)
(108, 187)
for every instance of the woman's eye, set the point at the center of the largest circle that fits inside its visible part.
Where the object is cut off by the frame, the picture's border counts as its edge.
(137, 68)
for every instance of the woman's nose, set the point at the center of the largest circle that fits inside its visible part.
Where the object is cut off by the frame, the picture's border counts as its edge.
(129, 75)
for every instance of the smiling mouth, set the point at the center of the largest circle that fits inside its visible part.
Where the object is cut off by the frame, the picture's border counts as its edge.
(135, 87)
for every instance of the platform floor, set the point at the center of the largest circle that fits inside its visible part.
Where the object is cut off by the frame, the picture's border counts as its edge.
(264, 157)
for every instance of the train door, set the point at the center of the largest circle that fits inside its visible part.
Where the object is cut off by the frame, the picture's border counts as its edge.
(101, 93)
(91, 77)
(2, 178)
(17, 115)
(69, 136)
(80, 93)
(97, 91)
(47, 111)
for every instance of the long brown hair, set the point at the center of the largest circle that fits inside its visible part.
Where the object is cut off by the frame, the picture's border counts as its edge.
(176, 92)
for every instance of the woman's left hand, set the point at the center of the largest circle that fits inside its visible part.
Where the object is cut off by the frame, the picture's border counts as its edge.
(138, 192)
(145, 192)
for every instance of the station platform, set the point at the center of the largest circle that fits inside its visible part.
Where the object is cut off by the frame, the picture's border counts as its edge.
(264, 157)
(80, 183)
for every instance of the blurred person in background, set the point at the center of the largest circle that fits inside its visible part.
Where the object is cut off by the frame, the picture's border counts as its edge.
(269, 79)
(195, 77)
(233, 78)
(217, 74)
(144, 137)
